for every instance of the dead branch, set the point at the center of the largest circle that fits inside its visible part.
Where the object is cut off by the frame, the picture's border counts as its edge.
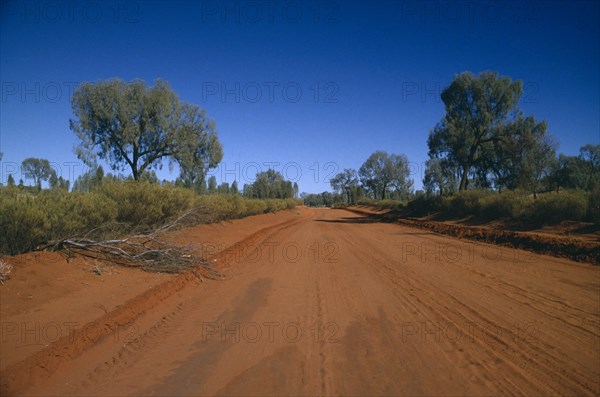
(5, 270)
(145, 251)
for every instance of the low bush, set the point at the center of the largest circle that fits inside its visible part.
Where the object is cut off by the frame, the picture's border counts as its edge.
(545, 209)
(29, 218)
(69, 214)
(23, 223)
(551, 208)
(594, 205)
(508, 204)
(465, 203)
(144, 203)
(383, 204)
(255, 206)
(424, 205)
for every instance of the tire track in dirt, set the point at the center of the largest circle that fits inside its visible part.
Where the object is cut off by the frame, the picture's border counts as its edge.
(378, 298)
(448, 312)
(43, 364)
(419, 305)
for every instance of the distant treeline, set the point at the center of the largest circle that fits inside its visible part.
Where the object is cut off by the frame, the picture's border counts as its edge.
(483, 143)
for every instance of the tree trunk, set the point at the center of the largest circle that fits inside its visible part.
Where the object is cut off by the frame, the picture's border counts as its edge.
(464, 178)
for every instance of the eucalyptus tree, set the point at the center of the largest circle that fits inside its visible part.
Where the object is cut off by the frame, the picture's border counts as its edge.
(38, 170)
(382, 171)
(525, 155)
(477, 110)
(133, 125)
(345, 182)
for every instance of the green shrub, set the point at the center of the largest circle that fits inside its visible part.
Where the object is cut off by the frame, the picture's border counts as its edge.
(382, 204)
(233, 206)
(424, 205)
(464, 203)
(366, 201)
(255, 206)
(218, 206)
(553, 208)
(71, 214)
(507, 204)
(594, 205)
(29, 218)
(23, 223)
(274, 205)
(175, 201)
(391, 204)
(292, 203)
(144, 203)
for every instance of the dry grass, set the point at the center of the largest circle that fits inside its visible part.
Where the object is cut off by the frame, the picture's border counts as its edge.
(5, 270)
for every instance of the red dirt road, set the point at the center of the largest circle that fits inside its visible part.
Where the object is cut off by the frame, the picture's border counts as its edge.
(332, 304)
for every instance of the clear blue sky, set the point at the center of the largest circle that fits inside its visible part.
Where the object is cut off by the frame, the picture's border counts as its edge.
(315, 85)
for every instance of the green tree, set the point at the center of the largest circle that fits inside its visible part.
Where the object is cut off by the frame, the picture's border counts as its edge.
(136, 126)
(590, 157)
(53, 181)
(401, 182)
(200, 186)
(271, 184)
(212, 184)
(477, 109)
(440, 176)
(248, 191)
(234, 188)
(38, 170)
(577, 172)
(382, 171)
(223, 188)
(10, 181)
(63, 183)
(357, 193)
(345, 182)
(89, 180)
(149, 176)
(524, 157)
(58, 183)
(374, 174)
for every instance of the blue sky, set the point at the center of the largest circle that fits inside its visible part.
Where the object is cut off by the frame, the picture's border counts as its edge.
(306, 88)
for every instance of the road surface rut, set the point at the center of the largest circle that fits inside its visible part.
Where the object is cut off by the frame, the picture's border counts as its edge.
(337, 305)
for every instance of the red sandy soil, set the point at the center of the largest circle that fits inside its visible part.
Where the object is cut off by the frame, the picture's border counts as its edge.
(315, 302)
(578, 241)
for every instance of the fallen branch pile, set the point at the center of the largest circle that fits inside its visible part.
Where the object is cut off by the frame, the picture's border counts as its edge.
(145, 251)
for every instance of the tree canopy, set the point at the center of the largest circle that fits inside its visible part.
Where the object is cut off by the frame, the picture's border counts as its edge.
(577, 172)
(269, 184)
(137, 126)
(486, 137)
(382, 172)
(38, 170)
(477, 110)
(345, 181)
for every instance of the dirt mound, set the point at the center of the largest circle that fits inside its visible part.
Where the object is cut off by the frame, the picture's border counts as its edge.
(580, 250)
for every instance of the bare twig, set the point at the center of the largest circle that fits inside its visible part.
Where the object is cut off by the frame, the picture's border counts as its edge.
(145, 251)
